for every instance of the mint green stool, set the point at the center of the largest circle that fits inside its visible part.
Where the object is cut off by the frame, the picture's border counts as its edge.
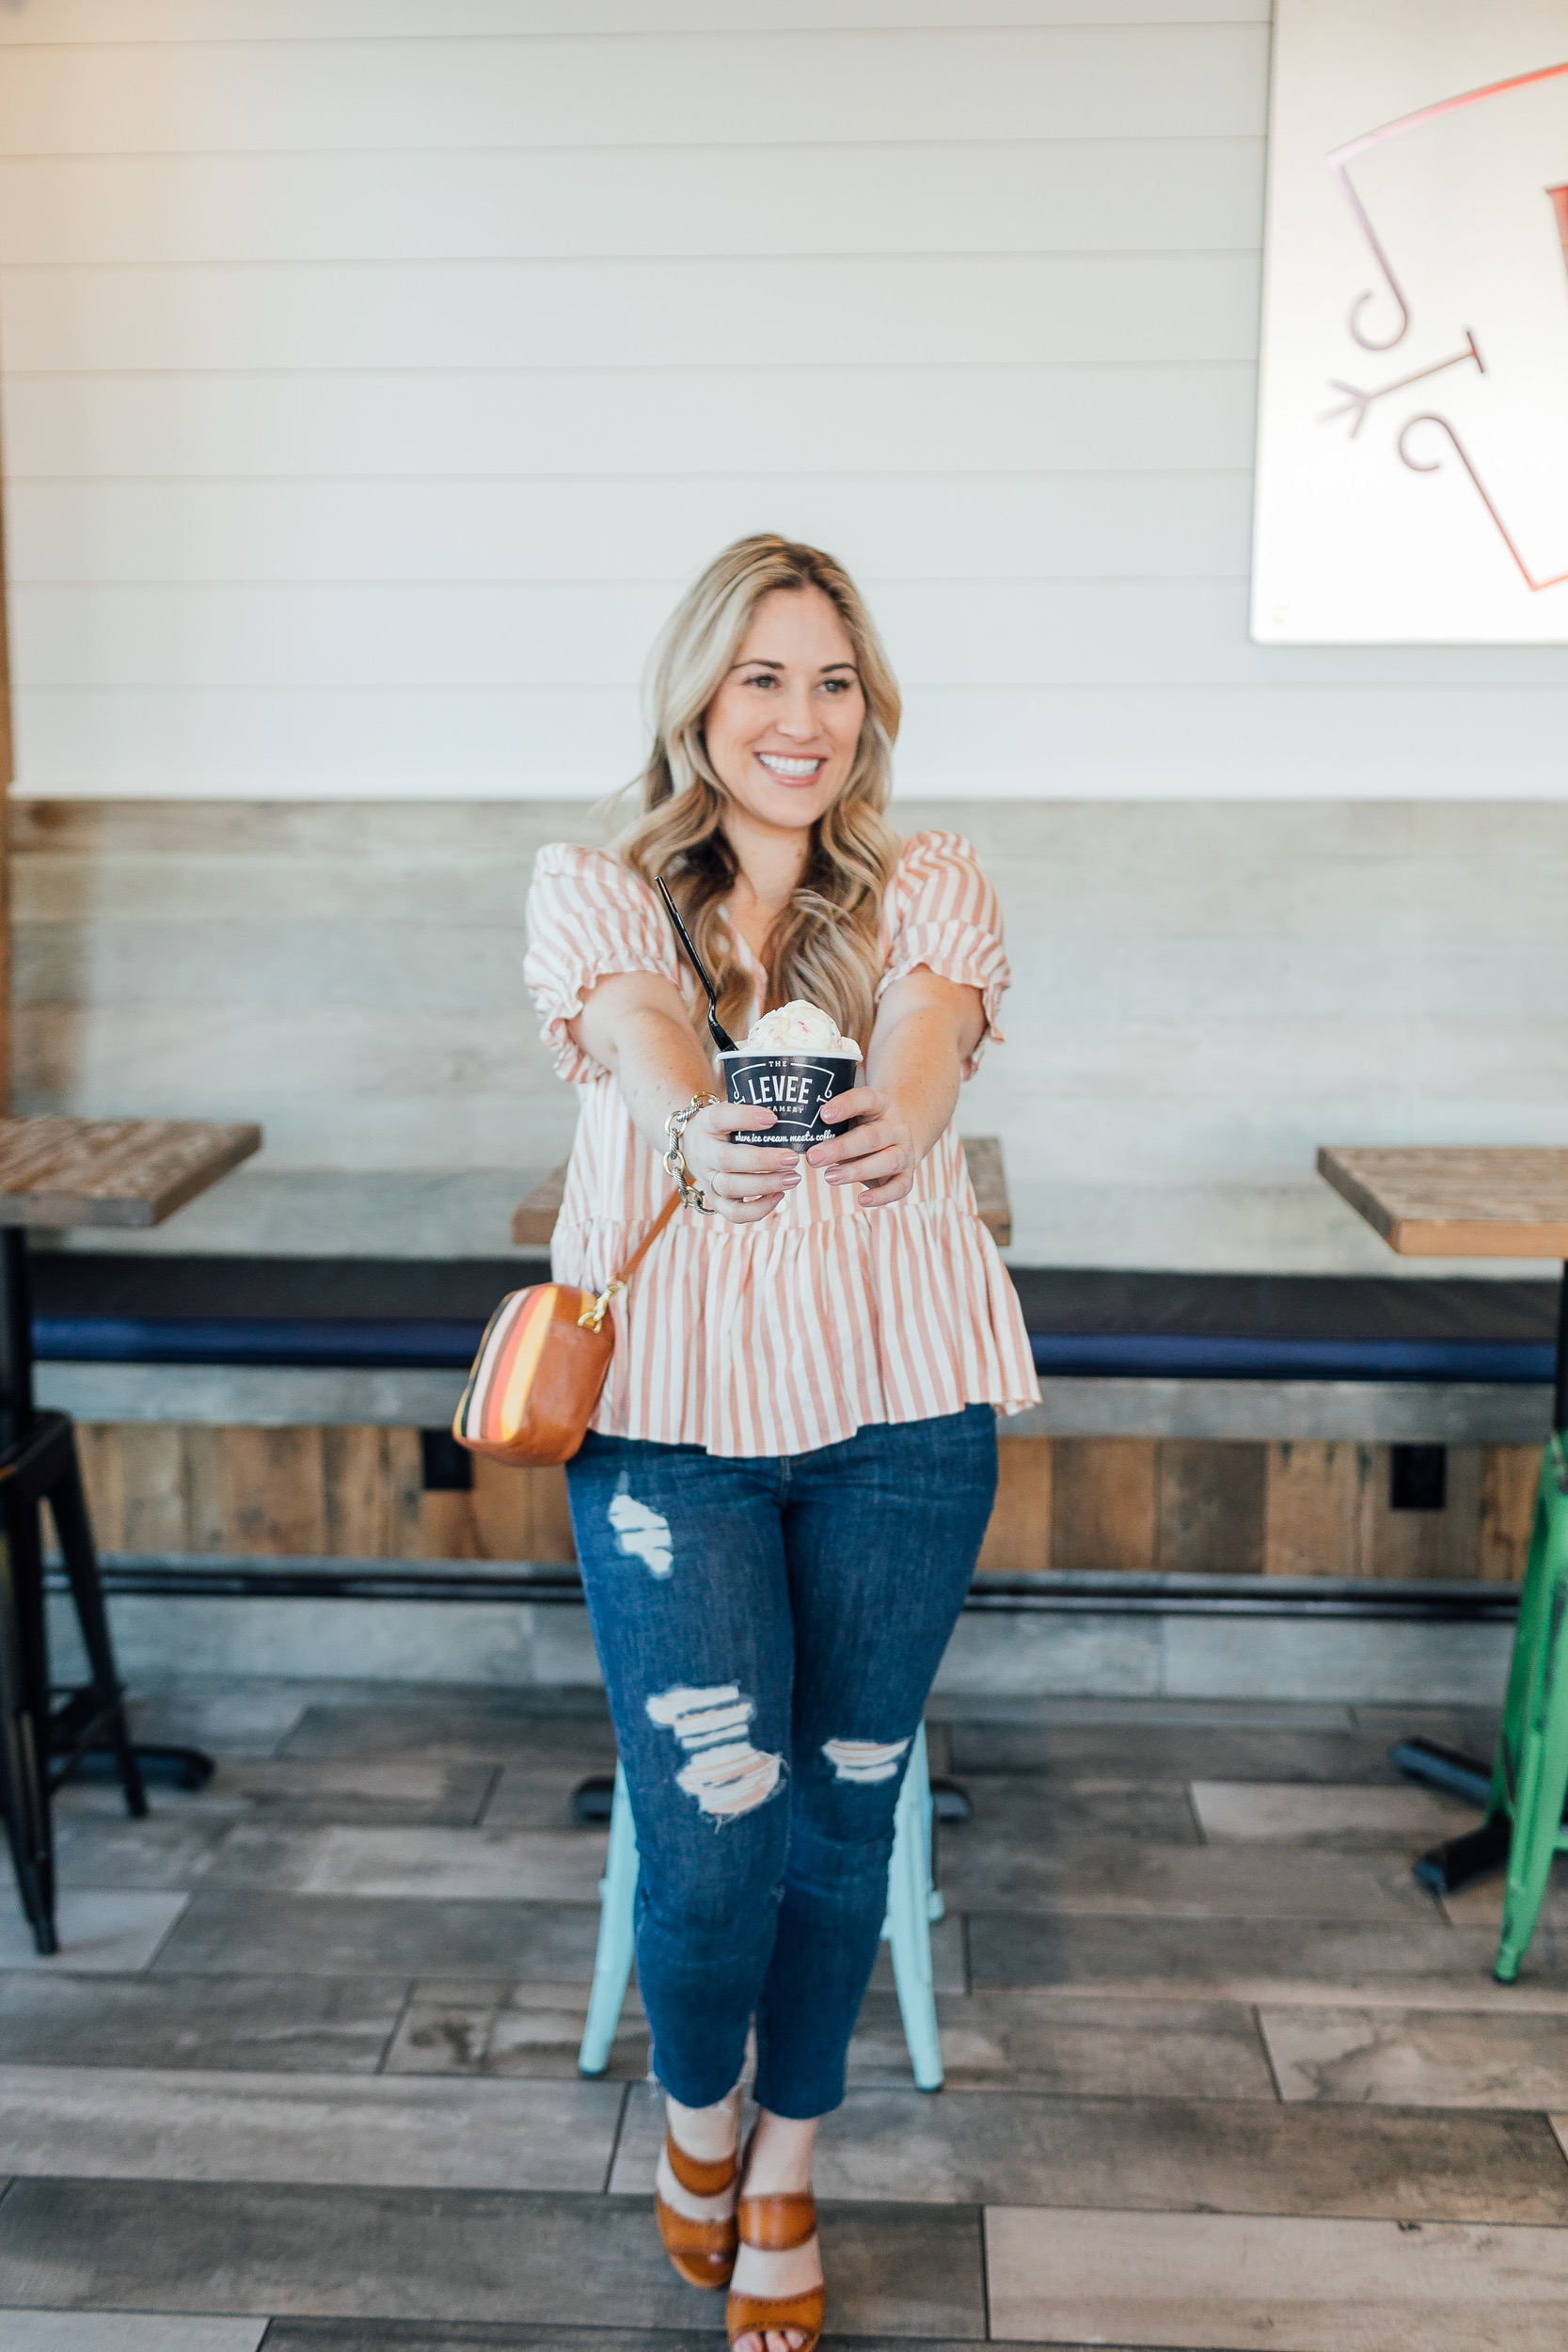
(912, 1903)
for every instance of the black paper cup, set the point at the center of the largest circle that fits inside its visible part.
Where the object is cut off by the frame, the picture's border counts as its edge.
(793, 1087)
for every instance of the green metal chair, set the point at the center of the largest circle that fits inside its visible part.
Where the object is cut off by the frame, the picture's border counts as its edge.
(1522, 1830)
(1529, 1773)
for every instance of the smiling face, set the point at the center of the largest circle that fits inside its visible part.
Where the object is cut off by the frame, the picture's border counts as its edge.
(783, 729)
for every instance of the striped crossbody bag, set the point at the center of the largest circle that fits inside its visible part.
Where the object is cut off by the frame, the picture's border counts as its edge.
(541, 1365)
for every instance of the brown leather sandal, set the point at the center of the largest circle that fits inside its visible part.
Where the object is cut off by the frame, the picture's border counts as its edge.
(702, 2252)
(775, 2225)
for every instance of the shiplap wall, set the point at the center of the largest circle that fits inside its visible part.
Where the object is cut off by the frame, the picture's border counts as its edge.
(376, 370)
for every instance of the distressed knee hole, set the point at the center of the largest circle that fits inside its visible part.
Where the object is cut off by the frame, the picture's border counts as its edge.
(727, 1776)
(864, 1760)
(641, 1532)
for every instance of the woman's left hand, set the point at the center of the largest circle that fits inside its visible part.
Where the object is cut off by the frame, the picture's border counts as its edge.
(878, 1152)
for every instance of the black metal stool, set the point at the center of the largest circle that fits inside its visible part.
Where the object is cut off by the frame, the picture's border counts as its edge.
(42, 1734)
(61, 1171)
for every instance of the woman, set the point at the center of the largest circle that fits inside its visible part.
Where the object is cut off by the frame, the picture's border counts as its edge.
(780, 1503)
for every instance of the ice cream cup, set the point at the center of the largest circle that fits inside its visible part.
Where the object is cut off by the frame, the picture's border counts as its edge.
(793, 1087)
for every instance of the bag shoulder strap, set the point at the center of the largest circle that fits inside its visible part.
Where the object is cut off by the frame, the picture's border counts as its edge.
(592, 1318)
(661, 1221)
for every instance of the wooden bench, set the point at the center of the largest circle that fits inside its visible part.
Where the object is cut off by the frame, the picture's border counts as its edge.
(534, 1219)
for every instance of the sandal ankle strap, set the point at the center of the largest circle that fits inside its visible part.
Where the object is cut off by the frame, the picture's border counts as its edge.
(774, 2225)
(696, 2177)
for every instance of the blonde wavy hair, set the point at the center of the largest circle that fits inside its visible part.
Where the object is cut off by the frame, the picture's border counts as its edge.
(824, 944)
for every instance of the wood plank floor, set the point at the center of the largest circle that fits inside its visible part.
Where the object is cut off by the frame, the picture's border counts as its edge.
(1220, 2074)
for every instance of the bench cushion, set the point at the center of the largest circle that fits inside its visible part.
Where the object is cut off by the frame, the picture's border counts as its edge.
(1297, 1327)
(93, 1306)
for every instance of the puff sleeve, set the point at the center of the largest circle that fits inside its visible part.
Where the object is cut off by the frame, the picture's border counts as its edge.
(588, 915)
(942, 917)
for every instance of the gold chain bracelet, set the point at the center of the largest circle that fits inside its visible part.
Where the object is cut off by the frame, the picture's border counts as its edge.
(675, 1159)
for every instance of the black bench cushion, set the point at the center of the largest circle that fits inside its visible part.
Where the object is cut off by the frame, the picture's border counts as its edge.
(417, 1312)
(408, 1313)
(1289, 1327)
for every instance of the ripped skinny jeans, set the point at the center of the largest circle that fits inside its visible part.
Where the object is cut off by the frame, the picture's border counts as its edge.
(768, 1628)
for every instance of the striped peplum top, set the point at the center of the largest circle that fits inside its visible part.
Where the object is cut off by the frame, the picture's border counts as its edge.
(792, 1333)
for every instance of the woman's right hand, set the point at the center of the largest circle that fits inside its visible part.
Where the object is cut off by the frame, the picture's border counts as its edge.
(743, 1181)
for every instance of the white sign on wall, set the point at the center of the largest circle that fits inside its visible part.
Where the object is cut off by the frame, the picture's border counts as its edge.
(1413, 431)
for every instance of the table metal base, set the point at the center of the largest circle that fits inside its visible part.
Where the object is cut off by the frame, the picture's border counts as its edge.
(1477, 1853)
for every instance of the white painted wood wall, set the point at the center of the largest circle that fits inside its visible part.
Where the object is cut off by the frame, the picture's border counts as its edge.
(373, 371)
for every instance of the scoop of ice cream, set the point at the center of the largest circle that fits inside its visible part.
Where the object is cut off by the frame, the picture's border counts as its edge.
(799, 1029)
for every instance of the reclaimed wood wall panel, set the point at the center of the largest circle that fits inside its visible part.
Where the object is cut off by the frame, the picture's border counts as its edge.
(346, 1493)
(1019, 1535)
(153, 1491)
(506, 1515)
(206, 1490)
(1313, 1507)
(1106, 1505)
(1103, 1515)
(549, 1527)
(103, 1459)
(447, 1528)
(373, 1495)
(275, 1491)
(1430, 1545)
(1211, 1508)
(1509, 1477)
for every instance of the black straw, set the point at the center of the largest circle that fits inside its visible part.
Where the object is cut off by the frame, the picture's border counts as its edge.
(722, 1037)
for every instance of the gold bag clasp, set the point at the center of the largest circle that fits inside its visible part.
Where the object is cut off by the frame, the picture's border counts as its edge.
(592, 1317)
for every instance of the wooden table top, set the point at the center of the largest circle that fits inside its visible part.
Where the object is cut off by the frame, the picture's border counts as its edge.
(112, 1171)
(1458, 1200)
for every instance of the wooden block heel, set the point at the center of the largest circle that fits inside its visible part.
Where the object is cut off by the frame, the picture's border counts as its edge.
(701, 2253)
